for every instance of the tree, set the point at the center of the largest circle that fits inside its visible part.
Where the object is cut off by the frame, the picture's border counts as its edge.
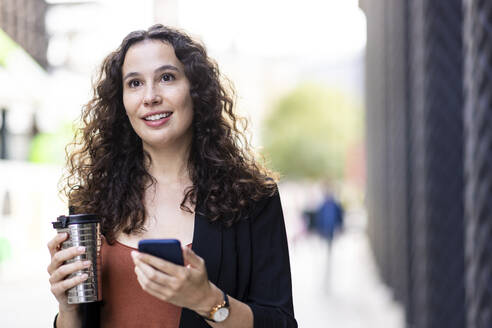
(308, 132)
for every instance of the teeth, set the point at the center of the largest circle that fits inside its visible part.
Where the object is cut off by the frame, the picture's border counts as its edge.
(156, 117)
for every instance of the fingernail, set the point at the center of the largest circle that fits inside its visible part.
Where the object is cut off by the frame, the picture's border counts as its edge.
(84, 276)
(81, 249)
(87, 263)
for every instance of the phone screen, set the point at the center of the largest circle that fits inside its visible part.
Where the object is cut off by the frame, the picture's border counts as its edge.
(166, 249)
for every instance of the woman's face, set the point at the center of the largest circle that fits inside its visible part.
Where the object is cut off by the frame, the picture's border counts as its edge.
(156, 95)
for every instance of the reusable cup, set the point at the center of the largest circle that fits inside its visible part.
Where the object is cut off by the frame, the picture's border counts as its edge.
(84, 230)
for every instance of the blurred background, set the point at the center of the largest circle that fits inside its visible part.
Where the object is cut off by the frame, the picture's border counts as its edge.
(375, 113)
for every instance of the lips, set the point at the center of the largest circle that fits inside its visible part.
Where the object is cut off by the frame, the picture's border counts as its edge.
(157, 116)
(156, 119)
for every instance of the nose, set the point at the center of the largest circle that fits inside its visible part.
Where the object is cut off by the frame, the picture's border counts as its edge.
(151, 97)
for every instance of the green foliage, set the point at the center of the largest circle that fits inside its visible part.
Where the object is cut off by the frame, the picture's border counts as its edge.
(49, 148)
(7, 46)
(5, 249)
(307, 133)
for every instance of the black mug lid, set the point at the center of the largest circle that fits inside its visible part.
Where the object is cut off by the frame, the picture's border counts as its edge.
(64, 220)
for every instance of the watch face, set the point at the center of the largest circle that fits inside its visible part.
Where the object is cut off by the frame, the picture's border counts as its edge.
(221, 314)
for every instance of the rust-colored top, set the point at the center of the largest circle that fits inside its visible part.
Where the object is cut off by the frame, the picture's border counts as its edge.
(125, 304)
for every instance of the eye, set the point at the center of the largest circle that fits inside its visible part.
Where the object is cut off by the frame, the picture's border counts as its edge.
(166, 77)
(134, 83)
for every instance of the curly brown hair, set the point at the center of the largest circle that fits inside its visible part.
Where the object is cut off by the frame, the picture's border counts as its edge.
(106, 163)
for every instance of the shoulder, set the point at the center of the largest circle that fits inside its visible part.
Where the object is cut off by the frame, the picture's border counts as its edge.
(266, 206)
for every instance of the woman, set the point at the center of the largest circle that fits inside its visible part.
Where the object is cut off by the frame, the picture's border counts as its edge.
(161, 155)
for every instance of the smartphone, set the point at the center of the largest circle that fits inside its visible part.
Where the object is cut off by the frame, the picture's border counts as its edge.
(166, 249)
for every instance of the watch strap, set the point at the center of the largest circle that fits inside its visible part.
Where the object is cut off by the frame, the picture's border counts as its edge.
(224, 304)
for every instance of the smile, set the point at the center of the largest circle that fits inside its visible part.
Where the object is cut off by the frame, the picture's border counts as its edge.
(156, 117)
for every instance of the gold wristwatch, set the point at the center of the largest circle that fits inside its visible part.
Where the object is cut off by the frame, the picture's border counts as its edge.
(220, 312)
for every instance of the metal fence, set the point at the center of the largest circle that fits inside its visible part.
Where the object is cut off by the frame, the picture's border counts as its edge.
(429, 156)
(478, 161)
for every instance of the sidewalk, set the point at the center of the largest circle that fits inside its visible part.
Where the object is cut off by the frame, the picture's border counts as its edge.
(25, 299)
(340, 288)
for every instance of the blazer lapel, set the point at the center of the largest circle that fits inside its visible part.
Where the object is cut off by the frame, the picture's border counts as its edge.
(207, 243)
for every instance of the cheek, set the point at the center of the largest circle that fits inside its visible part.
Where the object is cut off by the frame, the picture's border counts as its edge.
(188, 110)
(129, 102)
(125, 103)
(188, 103)
(185, 100)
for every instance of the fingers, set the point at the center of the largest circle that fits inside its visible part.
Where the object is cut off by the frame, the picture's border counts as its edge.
(152, 272)
(179, 285)
(149, 284)
(158, 263)
(64, 255)
(59, 271)
(54, 243)
(153, 288)
(62, 286)
(67, 269)
(190, 258)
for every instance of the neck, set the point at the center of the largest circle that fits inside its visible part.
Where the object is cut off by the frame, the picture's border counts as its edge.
(169, 164)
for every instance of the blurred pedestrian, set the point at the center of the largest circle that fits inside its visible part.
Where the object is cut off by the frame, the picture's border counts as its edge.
(328, 219)
(161, 155)
(326, 222)
(325, 219)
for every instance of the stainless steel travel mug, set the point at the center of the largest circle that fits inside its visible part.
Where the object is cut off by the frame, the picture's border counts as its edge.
(84, 230)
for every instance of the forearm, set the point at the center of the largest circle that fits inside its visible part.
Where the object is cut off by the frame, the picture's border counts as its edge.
(240, 314)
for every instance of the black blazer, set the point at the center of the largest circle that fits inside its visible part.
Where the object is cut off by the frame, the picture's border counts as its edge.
(249, 261)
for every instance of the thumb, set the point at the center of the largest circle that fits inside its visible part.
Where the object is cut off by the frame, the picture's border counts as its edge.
(191, 259)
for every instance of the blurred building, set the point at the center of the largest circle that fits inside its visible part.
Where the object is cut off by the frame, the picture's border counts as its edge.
(23, 44)
(429, 157)
(23, 21)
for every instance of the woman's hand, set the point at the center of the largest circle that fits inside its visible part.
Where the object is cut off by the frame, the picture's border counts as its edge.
(59, 271)
(185, 286)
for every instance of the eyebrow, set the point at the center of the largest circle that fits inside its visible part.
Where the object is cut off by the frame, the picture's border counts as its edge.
(162, 68)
